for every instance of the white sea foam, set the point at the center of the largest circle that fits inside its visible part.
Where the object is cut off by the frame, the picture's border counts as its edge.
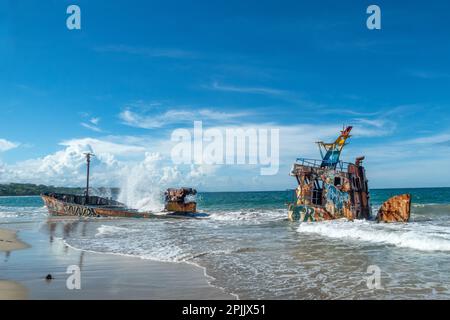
(250, 215)
(22, 212)
(416, 236)
(111, 230)
(8, 215)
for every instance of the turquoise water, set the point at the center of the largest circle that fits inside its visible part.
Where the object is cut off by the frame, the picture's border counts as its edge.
(249, 248)
(268, 199)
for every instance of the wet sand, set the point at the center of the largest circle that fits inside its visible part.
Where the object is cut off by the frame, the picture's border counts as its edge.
(10, 290)
(9, 241)
(103, 276)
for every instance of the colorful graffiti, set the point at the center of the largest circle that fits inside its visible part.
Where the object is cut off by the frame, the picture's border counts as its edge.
(336, 197)
(61, 208)
(305, 213)
(74, 210)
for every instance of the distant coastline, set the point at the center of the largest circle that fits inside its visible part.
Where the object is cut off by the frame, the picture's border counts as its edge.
(28, 189)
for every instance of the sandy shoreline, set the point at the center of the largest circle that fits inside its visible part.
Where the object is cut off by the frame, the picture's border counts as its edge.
(10, 290)
(103, 276)
(10, 242)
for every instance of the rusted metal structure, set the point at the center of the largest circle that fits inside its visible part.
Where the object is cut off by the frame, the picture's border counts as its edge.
(179, 204)
(396, 209)
(332, 189)
(180, 200)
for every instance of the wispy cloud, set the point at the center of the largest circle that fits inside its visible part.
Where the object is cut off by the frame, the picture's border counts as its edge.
(147, 51)
(6, 145)
(92, 123)
(255, 90)
(438, 139)
(428, 75)
(152, 120)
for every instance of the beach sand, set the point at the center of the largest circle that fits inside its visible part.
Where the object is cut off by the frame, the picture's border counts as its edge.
(9, 241)
(10, 290)
(103, 276)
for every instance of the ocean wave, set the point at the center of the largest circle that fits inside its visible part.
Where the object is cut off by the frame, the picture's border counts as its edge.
(250, 215)
(8, 213)
(430, 209)
(418, 236)
(111, 230)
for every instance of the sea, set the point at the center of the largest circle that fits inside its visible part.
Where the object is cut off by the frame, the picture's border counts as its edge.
(248, 248)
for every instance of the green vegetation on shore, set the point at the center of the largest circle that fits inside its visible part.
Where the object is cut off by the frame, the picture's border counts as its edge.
(28, 189)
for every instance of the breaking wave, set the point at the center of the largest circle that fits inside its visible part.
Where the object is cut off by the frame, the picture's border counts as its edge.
(249, 215)
(418, 236)
(21, 213)
(105, 230)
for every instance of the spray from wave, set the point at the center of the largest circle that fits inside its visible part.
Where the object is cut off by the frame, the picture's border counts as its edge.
(143, 184)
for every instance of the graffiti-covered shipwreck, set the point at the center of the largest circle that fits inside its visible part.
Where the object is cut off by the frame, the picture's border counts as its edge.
(179, 203)
(329, 189)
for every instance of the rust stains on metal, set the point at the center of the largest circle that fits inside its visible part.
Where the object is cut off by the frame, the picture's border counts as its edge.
(396, 209)
(177, 206)
(329, 188)
(327, 193)
(180, 200)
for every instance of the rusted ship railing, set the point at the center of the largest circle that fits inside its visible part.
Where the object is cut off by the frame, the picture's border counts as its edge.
(316, 163)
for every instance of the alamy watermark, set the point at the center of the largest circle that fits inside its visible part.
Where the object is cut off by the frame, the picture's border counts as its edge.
(374, 278)
(73, 282)
(374, 20)
(73, 21)
(228, 146)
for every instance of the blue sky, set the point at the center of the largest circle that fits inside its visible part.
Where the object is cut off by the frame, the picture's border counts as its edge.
(138, 70)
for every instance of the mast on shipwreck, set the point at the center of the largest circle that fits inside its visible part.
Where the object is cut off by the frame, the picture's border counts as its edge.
(331, 152)
(88, 164)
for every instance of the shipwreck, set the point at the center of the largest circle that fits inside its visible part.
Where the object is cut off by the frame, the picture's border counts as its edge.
(329, 189)
(179, 203)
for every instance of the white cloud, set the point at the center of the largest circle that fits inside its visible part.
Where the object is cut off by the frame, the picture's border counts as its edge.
(6, 145)
(434, 139)
(92, 124)
(428, 75)
(142, 167)
(102, 147)
(174, 116)
(149, 52)
(91, 127)
(254, 90)
(141, 173)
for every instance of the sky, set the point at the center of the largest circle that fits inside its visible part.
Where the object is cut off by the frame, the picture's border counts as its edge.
(138, 70)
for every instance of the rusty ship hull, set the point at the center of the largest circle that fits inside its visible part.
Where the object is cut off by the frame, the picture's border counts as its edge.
(93, 206)
(330, 189)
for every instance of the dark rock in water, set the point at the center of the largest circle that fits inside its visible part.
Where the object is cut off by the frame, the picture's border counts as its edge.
(396, 209)
(49, 277)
